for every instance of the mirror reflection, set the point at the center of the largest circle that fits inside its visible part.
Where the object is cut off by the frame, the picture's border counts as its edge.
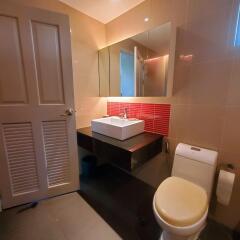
(138, 66)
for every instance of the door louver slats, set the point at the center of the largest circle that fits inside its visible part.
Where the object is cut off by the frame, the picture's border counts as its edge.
(20, 151)
(56, 152)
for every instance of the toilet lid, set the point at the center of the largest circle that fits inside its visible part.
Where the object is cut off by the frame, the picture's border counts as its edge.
(180, 202)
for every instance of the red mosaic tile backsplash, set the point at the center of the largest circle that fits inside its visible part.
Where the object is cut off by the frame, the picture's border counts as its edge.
(156, 116)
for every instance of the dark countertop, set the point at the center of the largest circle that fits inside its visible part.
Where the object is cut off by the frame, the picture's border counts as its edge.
(132, 144)
(127, 154)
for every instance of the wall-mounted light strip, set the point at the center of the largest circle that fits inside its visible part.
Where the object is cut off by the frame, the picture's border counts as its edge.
(152, 59)
(156, 58)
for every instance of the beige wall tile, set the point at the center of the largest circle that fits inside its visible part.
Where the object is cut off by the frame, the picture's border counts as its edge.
(207, 27)
(178, 122)
(181, 84)
(202, 88)
(204, 126)
(209, 82)
(179, 12)
(90, 108)
(233, 94)
(227, 157)
(198, 125)
(231, 131)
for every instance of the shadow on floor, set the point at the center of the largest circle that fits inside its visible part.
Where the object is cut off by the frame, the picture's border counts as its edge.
(122, 201)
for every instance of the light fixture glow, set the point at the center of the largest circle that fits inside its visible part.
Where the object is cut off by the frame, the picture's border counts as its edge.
(186, 58)
(146, 19)
(152, 59)
(156, 58)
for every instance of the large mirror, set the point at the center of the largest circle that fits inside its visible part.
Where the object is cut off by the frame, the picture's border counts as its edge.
(140, 66)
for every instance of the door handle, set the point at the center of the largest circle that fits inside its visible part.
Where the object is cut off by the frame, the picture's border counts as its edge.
(68, 112)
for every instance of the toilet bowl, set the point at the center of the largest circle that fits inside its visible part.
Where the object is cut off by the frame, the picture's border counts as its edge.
(180, 204)
(186, 220)
(171, 232)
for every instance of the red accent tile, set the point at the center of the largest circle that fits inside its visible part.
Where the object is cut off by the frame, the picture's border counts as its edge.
(147, 111)
(114, 109)
(149, 125)
(155, 116)
(134, 110)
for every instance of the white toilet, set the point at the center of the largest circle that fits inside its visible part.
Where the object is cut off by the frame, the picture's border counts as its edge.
(181, 201)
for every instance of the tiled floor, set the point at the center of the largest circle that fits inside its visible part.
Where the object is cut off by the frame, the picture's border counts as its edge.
(126, 205)
(67, 217)
(123, 202)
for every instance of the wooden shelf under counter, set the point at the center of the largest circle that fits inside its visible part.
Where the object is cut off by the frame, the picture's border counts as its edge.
(127, 154)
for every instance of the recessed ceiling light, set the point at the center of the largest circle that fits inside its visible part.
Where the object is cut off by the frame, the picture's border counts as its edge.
(146, 19)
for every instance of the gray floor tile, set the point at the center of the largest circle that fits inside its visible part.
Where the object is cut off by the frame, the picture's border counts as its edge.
(66, 217)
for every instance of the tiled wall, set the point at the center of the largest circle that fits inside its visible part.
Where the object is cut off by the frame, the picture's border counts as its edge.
(205, 107)
(155, 116)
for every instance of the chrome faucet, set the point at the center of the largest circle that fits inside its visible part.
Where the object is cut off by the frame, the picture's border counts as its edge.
(125, 115)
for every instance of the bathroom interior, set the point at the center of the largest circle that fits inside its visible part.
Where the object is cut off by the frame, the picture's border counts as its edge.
(119, 119)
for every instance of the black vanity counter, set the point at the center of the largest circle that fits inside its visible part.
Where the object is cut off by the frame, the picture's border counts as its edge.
(127, 154)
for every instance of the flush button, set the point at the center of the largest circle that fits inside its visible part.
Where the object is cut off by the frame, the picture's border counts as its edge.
(195, 149)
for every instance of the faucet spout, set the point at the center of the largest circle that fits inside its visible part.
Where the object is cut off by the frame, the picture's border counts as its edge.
(125, 116)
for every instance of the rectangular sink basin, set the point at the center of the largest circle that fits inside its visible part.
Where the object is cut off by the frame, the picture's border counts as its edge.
(118, 128)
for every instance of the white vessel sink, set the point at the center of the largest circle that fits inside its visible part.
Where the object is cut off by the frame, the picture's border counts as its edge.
(118, 128)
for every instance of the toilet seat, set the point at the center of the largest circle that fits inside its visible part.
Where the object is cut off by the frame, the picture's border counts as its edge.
(180, 202)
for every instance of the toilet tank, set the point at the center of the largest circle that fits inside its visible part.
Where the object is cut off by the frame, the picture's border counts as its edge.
(195, 164)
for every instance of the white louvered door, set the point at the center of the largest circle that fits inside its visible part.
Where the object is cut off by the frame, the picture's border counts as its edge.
(38, 149)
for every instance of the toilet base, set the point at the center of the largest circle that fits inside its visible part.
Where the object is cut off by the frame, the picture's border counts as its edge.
(169, 236)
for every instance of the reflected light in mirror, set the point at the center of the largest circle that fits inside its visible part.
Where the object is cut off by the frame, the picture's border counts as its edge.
(156, 58)
(153, 53)
(186, 58)
(146, 19)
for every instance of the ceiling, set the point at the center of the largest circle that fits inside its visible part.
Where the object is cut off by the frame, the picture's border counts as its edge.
(103, 10)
